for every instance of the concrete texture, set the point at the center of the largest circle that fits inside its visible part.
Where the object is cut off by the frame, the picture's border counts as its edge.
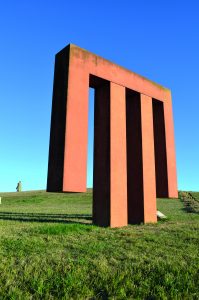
(134, 152)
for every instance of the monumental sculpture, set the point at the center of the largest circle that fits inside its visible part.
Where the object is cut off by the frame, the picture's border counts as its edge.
(134, 151)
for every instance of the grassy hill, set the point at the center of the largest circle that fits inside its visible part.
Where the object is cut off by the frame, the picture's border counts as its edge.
(49, 249)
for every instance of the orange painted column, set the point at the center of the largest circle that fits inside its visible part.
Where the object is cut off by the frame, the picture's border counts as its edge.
(69, 127)
(170, 148)
(101, 173)
(110, 169)
(76, 134)
(58, 122)
(118, 164)
(149, 185)
(160, 150)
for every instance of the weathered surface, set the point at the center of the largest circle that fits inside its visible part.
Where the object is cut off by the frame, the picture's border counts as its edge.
(131, 165)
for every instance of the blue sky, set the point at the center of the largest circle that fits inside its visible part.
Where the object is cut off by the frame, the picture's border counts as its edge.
(157, 39)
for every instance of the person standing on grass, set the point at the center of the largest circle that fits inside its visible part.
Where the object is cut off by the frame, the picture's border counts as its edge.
(19, 187)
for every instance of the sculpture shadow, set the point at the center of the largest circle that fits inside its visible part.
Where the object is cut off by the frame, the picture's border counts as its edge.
(47, 218)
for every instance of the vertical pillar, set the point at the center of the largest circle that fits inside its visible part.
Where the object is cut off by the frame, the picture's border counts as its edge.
(101, 173)
(149, 185)
(140, 159)
(134, 158)
(118, 170)
(76, 134)
(160, 149)
(110, 181)
(170, 149)
(69, 127)
(58, 122)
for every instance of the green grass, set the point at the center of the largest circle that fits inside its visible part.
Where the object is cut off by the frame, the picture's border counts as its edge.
(49, 249)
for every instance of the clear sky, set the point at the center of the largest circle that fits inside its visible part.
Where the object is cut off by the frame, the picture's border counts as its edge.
(157, 39)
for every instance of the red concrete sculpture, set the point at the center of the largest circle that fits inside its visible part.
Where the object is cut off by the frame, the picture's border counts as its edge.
(134, 152)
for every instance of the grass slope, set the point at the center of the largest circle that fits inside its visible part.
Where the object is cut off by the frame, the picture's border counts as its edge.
(49, 249)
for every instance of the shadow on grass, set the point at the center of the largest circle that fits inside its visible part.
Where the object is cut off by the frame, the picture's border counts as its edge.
(48, 218)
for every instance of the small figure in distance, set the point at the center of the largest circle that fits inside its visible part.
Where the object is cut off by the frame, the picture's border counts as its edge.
(19, 187)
